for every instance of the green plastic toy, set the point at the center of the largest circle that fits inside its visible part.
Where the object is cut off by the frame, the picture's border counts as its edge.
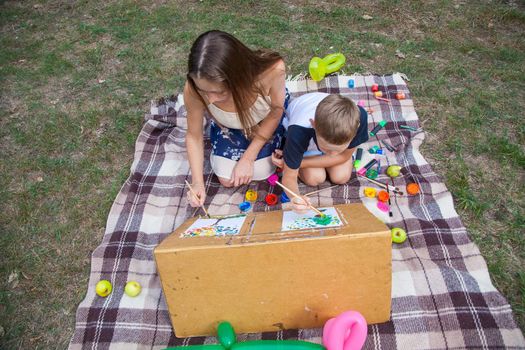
(228, 341)
(319, 67)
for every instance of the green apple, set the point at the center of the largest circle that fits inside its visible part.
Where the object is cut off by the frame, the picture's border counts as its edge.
(393, 170)
(103, 288)
(398, 235)
(132, 288)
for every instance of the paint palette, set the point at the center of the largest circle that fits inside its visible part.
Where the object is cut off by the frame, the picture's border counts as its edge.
(225, 226)
(293, 221)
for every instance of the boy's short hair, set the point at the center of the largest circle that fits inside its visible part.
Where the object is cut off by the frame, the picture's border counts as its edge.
(337, 119)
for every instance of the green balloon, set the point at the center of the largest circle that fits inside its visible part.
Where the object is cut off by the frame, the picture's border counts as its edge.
(276, 345)
(198, 347)
(226, 334)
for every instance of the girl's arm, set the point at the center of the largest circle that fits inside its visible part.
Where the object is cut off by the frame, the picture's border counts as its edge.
(195, 142)
(275, 79)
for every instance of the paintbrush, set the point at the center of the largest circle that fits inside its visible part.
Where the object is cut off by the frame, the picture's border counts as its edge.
(297, 196)
(385, 186)
(322, 189)
(195, 194)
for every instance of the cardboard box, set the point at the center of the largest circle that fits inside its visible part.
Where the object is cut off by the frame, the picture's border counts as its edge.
(266, 280)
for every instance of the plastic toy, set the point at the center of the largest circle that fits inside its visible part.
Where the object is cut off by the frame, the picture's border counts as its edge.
(284, 198)
(375, 150)
(398, 235)
(400, 96)
(351, 83)
(272, 179)
(319, 67)
(271, 199)
(371, 174)
(368, 165)
(361, 103)
(378, 94)
(345, 332)
(378, 127)
(245, 206)
(383, 206)
(408, 128)
(370, 192)
(375, 87)
(388, 146)
(251, 195)
(132, 288)
(383, 196)
(103, 288)
(358, 156)
(412, 188)
(393, 170)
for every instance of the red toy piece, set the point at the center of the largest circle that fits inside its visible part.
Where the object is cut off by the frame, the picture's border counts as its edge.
(375, 87)
(271, 199)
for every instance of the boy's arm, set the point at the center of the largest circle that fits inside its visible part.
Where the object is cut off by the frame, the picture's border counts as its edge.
(325, 161)
(290, 180)
(300, 206)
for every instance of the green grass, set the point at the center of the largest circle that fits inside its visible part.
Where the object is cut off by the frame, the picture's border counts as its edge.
(76, 79)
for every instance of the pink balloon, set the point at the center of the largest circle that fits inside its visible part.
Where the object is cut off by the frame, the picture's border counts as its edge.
(345, 332)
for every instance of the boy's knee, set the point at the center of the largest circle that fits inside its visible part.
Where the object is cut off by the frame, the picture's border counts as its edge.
(340, 178)
(314, 179)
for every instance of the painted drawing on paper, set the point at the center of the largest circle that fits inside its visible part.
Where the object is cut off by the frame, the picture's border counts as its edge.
(293, 221)
(225, 226)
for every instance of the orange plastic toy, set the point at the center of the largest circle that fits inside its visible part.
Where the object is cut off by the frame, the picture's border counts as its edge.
(412, 188)
(383, 196)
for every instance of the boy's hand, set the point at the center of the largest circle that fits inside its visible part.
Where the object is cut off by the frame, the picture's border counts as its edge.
(301, 205)
(200, 191)
(242, 172)
(277, 158)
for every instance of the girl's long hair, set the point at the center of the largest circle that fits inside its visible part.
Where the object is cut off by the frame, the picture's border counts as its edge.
(220, 57)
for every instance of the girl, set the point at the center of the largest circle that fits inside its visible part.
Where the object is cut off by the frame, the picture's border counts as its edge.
(244, 92)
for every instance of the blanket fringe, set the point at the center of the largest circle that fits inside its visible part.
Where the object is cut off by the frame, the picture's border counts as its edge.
(306, 76)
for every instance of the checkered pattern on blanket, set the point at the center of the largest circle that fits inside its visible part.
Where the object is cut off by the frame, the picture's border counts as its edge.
(442, 296)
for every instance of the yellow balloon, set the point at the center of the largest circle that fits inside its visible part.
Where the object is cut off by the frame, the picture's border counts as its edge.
(319, 67)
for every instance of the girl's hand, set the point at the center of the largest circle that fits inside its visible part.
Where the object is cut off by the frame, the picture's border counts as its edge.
(277, 158)
(200, 191)
(242, 172)
(301, 205)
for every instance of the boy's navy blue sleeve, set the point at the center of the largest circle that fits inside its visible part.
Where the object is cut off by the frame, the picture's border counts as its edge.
(297, 141)
(362, 132)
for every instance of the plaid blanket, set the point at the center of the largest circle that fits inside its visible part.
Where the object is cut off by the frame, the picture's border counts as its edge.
(442, 296)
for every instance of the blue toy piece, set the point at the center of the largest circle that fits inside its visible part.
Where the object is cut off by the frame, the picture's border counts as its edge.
(284, 198)
(245, 206)
(351, 83)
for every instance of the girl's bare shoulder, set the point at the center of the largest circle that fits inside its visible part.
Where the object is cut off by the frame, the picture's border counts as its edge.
(276, 72)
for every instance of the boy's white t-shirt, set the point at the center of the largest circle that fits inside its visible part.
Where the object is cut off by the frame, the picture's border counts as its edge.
(300, 139)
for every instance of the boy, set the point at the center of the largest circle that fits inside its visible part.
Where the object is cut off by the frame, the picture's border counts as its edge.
(323, 131)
